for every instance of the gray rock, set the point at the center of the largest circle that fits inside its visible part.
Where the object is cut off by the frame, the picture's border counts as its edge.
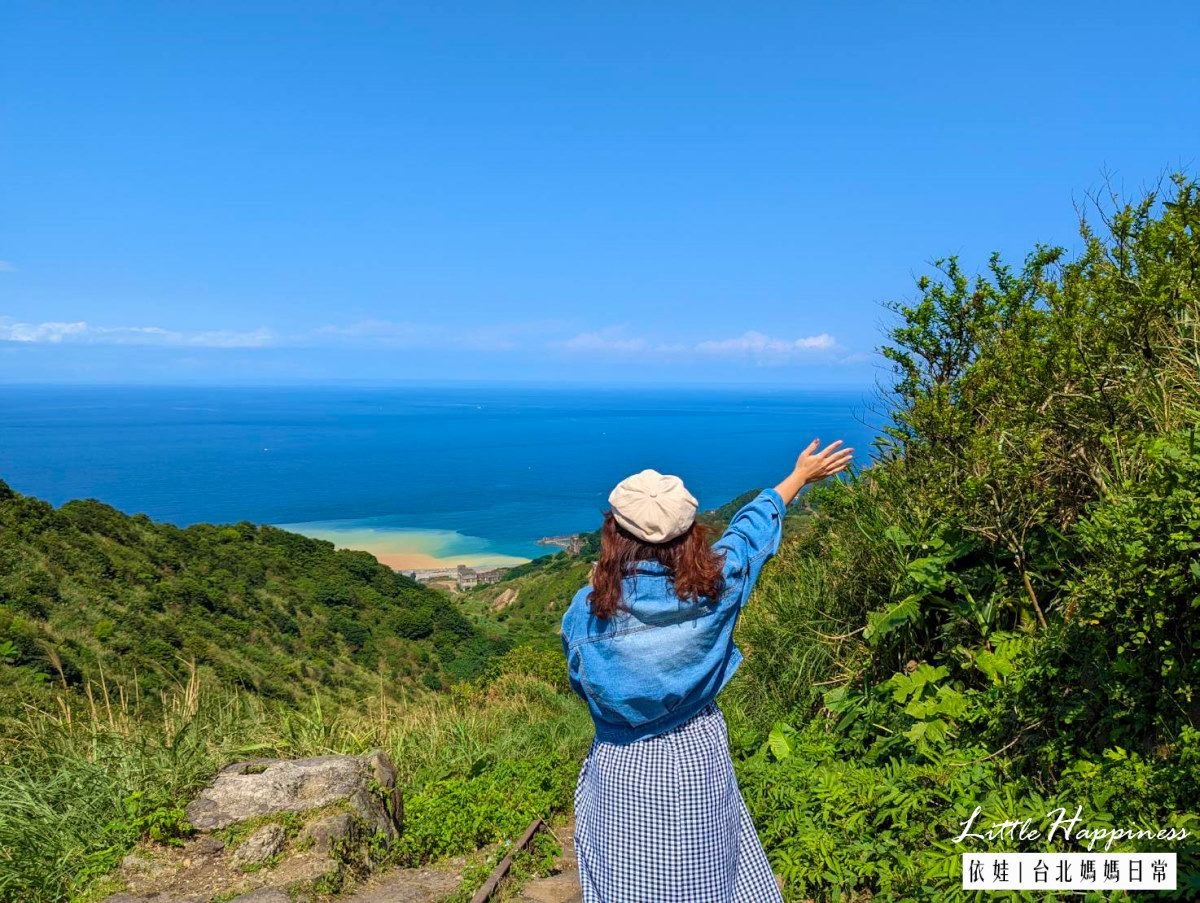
(325, 832)
(206, 845)
(304, 869)
(260, 846)
(245, 790)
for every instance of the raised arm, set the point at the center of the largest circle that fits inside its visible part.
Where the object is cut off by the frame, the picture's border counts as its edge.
(755, 531)
(813, 466)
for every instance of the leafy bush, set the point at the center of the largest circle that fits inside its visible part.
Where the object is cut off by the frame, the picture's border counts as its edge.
(496, 800)
(1004, 610)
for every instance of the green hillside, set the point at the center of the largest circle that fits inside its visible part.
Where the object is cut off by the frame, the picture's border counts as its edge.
(527, 608)
(85, 589)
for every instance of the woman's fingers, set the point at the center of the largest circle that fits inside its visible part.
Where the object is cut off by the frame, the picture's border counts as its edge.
(838, 462)
(807, 454)
(827, 461)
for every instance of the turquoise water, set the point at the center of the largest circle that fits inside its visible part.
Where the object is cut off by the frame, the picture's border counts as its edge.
(480, 472)
(411, 547)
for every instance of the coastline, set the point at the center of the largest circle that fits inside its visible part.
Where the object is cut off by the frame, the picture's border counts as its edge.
(416, 561)
(408, 548)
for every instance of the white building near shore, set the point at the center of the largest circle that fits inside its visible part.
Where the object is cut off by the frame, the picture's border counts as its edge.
(466, 577)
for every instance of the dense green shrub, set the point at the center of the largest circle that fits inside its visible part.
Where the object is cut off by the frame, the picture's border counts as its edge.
(495, 801)
(1004, 610)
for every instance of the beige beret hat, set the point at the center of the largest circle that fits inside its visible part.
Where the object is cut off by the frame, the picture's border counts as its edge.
(652, 506)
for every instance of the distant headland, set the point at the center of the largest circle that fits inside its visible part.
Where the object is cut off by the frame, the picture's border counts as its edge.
(572, 542)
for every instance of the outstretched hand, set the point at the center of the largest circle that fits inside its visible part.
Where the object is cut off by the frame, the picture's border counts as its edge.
(813, 465)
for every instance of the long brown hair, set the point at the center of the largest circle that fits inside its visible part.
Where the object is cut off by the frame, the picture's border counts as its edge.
(690, 560)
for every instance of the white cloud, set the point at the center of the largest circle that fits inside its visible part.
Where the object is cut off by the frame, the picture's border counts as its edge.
(406, 334)
(381, 332)
(751, 346)
(606, 340)
(82, 333)
(6, 267)
(754, 348)
(755, 344)
(362, 334)
(227, 338)
(39, 332)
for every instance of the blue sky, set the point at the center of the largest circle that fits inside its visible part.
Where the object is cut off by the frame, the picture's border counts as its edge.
(661, 192)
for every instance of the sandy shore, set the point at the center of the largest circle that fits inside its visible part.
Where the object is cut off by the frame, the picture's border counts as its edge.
(408, 549)
(417, 561)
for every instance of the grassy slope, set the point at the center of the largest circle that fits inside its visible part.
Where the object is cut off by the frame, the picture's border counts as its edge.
(137, 658)
(77, 792)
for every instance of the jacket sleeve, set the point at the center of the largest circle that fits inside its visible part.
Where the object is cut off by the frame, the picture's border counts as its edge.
(751, 538)
(564, 633)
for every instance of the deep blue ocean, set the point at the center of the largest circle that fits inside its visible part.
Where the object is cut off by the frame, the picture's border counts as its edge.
(496, 467)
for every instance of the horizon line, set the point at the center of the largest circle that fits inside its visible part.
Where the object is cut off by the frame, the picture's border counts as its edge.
(447, 382)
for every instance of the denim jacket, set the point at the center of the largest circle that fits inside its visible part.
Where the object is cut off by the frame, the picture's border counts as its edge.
(660, 659)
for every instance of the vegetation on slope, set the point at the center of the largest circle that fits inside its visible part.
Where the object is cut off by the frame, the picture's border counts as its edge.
(86, 590)
(137, 658)
(79, 785)
(527, 609)
(1003, 612)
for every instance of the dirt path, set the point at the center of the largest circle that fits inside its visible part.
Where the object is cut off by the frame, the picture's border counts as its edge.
(435, 883)
(427, 885)
(563, 885)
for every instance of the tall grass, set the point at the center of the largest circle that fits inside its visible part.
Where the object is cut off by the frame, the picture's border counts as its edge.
(83, 778)
(802, 630)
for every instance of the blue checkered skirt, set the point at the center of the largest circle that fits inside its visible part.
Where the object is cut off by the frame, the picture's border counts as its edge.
(661, 820)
